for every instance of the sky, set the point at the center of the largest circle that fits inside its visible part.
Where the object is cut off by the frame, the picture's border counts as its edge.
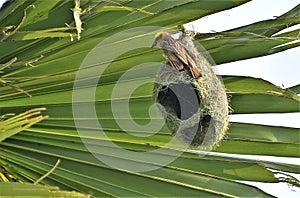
(281, 69)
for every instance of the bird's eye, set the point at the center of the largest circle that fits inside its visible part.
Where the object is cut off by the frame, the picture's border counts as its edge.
(159, 37)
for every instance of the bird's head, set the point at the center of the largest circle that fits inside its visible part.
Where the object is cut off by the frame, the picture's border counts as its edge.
(159, 37)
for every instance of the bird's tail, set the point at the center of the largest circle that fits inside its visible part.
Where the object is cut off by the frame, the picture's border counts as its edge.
(195, 72)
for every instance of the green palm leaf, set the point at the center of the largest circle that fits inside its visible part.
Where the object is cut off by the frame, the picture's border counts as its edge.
(46, 67)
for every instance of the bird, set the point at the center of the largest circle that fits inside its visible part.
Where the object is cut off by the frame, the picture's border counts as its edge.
(177, 54)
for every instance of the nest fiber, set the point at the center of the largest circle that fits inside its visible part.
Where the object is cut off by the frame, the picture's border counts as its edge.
(196, 111)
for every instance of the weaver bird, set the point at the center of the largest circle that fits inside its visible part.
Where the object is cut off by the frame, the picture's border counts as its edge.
(178, 55)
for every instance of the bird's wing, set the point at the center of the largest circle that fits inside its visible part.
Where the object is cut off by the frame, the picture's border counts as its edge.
(185, 55)
(179, 56)
(173, 51)
(173, 59)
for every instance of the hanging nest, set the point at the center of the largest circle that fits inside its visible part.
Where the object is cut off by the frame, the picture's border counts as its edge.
(196, 111)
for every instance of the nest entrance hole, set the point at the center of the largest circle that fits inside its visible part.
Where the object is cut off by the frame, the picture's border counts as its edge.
(180, 99)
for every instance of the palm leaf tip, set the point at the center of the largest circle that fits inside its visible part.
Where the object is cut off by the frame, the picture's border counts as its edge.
(11, 125)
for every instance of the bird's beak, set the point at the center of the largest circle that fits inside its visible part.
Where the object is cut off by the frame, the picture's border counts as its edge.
(154, 44)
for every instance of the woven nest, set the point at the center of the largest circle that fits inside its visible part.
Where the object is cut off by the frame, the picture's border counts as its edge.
(196, 111)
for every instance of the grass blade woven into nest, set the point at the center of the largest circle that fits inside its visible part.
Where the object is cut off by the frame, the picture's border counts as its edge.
(195, 110)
